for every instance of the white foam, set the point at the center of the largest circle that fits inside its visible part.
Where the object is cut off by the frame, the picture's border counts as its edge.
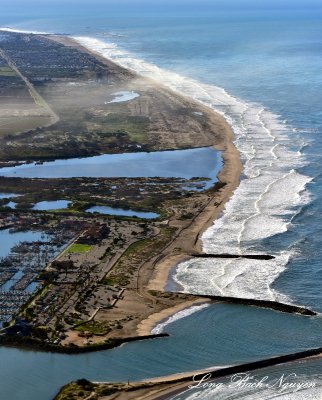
(179, 315)
(264, 203)
(248, 278)
(14, 30)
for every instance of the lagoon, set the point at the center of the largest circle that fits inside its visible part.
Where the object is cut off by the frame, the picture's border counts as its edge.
(218, 335)
(200, 162)
(51, 205)
(120, 211)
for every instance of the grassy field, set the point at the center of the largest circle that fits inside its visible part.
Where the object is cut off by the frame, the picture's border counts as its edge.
(95, 327)
(79, 248)
(135, 127)
(15, 125)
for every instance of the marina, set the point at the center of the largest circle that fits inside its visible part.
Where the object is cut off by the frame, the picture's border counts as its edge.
(24, 255)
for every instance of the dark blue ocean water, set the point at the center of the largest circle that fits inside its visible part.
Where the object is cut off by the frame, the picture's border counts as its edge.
(268, 58)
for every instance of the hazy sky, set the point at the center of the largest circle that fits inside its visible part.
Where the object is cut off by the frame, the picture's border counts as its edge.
(10, 10)
(195, 3)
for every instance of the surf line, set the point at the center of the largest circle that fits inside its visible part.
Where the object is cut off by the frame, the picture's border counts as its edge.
(273, 305)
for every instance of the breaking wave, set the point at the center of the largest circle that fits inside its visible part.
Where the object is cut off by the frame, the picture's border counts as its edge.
(266, 200)
(179, 315)
(14, 30)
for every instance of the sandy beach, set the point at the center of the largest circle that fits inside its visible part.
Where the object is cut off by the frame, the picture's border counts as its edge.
(189, 239)
(173, 148)
(146, 326)
(154, 273)
(140, 269)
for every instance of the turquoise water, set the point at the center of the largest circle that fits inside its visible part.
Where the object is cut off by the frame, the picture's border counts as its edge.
(218, 335)
(121, 211)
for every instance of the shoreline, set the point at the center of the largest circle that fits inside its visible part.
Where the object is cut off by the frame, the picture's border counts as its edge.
(189, 239)
(164, 265)
(145, 327)
(216, 133)
(230, 176)
(165, 387)
(26, 343)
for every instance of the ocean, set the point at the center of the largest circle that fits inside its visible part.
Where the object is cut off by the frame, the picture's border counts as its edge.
(219, 335)
(261, 69)
(260, 66)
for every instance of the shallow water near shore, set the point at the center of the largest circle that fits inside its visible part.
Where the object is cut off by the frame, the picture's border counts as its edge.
(218, 335)
(271, 195)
